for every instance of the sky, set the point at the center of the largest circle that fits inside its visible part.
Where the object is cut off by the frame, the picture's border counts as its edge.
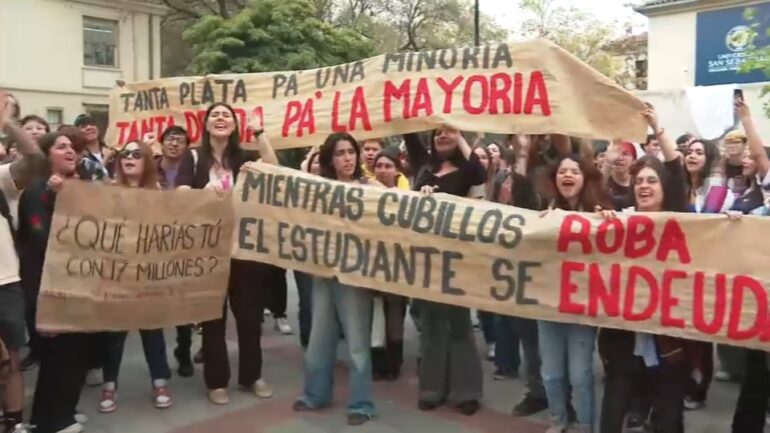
(506, 11)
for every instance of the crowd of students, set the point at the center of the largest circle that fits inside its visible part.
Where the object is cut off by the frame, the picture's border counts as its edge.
(649, 380)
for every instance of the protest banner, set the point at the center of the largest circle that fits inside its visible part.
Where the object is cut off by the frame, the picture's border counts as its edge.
(675, 274)
(531, 87)
(131, 258)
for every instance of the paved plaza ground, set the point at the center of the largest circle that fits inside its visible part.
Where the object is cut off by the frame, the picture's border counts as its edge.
(396, 402)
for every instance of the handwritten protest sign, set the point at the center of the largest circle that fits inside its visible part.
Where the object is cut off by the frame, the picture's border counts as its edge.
(675, 274)
(131, 258)
(533, 87)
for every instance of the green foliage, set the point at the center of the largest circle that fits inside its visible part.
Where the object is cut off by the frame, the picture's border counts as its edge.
(272, 35)
(758, 56)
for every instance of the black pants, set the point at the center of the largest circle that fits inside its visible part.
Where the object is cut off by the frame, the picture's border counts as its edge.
(274, 285)
(246, 298)
(63, 367)
(751, 409)
(667, 389)
(183, 340)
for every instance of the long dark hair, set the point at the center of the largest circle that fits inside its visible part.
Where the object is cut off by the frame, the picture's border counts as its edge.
(711, 152)
(674, 191)
(456, 158)
(591, 195)
(326, 154)
(233, 152)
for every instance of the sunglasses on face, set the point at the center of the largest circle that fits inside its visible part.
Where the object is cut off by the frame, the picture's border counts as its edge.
(130, 154)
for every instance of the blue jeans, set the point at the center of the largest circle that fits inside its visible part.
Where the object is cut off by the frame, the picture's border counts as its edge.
(154, 345)
(353, 306)
(507, 358)
(568, 349)
(305, 293)
(487, 324)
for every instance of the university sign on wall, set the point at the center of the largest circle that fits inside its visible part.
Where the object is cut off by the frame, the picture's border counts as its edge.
(722, 40)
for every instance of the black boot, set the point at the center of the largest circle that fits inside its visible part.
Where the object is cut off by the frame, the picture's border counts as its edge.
(186, 368)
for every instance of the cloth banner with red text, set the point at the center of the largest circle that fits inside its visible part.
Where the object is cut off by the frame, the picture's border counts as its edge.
(531, 87)
(701, 277)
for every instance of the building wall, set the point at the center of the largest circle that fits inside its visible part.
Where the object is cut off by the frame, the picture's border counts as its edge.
(671, 55)
(41, 44)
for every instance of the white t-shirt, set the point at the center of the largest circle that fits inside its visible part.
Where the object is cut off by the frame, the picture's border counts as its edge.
(9, 261)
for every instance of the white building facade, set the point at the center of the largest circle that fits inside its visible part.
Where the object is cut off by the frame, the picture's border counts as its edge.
(60, 58)
(702, 43)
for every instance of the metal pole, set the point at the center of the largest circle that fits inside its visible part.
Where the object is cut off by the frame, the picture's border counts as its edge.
(477, 37)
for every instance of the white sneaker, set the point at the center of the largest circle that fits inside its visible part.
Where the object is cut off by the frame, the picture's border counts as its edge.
(262, 389)
(491, 352)
(74, 428)
(94, 377)
(81, 418)
(722, 376)
(282, 326)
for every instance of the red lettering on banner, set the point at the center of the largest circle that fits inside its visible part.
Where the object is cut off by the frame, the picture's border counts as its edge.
(193, 125)
(537, 94)
(256, 114)
(122, 132)
(568, 288)
(740, 284)
(499, 89)
(483, 93)
(598, 291)
(669, 301)
(635, 276)
(449, 89)
(336, 126)
(291, 116)
(391, 92)
(518, 86)
(673, 240)
(567, 235)
(602, 234)
(640, 230)
(359, 111)
(422, 100)
(699, 304)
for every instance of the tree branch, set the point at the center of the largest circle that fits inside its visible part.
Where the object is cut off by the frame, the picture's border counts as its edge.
(190, 13)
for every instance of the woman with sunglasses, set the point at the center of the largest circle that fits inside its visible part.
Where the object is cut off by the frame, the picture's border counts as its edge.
(135, 168)
(215, 165)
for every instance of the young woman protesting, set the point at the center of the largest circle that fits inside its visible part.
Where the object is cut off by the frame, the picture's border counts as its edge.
(219, 160)
(751, 408)
(63, 360)
(567, 350)
(450, 368)
(658, 187)
(13, 177)
(387, 360)
(35, 126)
(304, 280)
(135, 168)
(337, 304)
(490, 161)
(707, 193)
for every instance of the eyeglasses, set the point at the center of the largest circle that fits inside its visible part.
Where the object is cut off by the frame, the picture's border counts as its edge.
(130, 154)
(175, 139)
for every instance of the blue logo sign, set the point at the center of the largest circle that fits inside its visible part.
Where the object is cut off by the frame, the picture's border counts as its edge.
(722, 39)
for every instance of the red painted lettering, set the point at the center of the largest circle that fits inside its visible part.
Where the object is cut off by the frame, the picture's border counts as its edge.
(359, 111)
(499, 88)
(640, 231)
(537, 94)
(448, 89)
(602, 244)
(291, 116)
(635, 276)
(568, 235)
(391, 92)
(699, 304)
(568, 288)
(598, 292)
(483, 93)
(740, 284)
(673, 240)
(668, 301)
(422, 100)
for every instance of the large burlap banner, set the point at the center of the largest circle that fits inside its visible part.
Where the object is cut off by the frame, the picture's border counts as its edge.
(130, 258)
(695, 276)
(533, 87)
